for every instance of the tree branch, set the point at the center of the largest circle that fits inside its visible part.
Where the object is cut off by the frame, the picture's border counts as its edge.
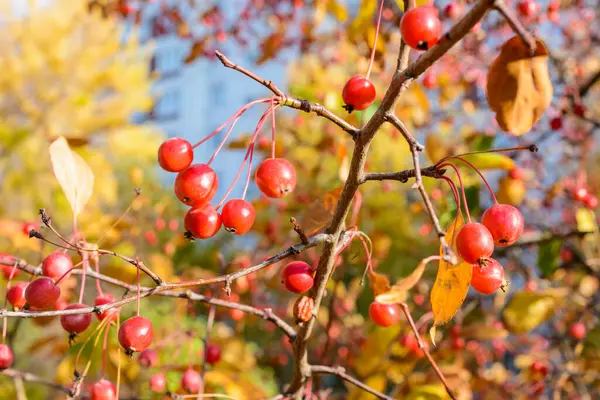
(515, 24)
(341, 373)
(403, 176)
(31, 378)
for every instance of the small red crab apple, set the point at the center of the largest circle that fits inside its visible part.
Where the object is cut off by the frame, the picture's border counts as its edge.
(528, 8)
(196, 185)
(75, 323)
(504, 222)
(175, 154)
(213, 354)
(29, 226)
(16, 295)
(158, 382)
(103, 390)
(474, 242)
(421, 27)
(136, 334)
(148, 358)
(238, 216)
(191, 381)
(202, 222)
(56, 265)
(276, 177)
(6, 357)
(42, 293)
(102, 299)
(577, 330)
(488, 277)
(298, 277)
(384, 314)
(358, 93)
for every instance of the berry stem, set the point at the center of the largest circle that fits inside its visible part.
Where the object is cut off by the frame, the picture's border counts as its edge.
(85, 261)
(237, 114)
(272, 130)
(137, 264)
(68, 272)
(8, 282)
(118, 358)
(97, 266)
(104, 345)
(481, 176)
(462, 188)
(235, 121)
(532, 147)
(249, 171)
(455, 194)
(375, 40)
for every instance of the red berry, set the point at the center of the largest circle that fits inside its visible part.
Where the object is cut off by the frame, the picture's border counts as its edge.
(516, 173)
(29, 226)
(102, 299)
(452, 10)
(554, 5)
(384, 314)
(275, 177)
(298, 277)
(238, 216)
(504, 222)
(56, 265)
(455, 330)
(175, 154)
(148, 358)
(429, 80)
(75, 323)
(103, 390)
(16, 295)
(539, 367)
(458, 343)
(410, 342)
(590, 201)
(196, 185)
(160, 224)
(202, 222)
(213, 354)
(6, 357)
(474, 242)
(579, 110)
(358, 93)
(42, 293)
(556, 123)
(488, 277)
(580, 193)
(158, 382)
(420, 27)
(8, 269)
(136, 334)
(191, 381)
(577, 330)
(528, 8)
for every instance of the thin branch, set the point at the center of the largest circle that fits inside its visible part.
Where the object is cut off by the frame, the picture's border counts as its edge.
(341, 373)
(585, 88)
(209, 326)
(404, 176)
(31, 378)
(412, 142)
(515, 24)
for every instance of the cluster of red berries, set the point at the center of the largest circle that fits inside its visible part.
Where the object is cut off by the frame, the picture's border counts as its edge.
(583, 195)
(501, 225)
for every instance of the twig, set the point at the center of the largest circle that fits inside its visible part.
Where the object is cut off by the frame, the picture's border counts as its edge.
(515, 24)
(341, 373)
(398, 124)
(585, 88)
(299, 230)
(404, 176)
(31, 378)
(209, 325)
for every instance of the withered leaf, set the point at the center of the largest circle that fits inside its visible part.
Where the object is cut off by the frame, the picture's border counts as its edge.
(319, 212)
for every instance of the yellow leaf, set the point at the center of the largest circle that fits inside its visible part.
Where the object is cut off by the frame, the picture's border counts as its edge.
(452, 281)
(337, 10)
(518, 86)
(73, 174)
(397, 293)
(586, 220)
(377, 382)
(511, 191)
(488, 161)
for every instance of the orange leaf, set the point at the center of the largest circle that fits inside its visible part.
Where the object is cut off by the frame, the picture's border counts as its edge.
(196, 51)
(397, 293)
(379, 283)
(319, 212)
(452, 282)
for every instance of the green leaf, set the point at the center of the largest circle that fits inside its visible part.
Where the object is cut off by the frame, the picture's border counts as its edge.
(528, 310)
(482, 142)
(549, 257)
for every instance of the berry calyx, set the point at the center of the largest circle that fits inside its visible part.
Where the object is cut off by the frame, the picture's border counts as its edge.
(42, 293)
(191, 381)
(488, 277)
(384, 314)
(298, 277)
(136, 334)
(202, 222)
(196, 185)
(29, 226)
(148, 358)
(75, 323)
(238, 216)
(275, 177)
(175, 154)
(213, 354)
(6, 357)
(528, 8)
(420, 27)
(56, 265)
(102, 299)
(504, 222)
(158, 382)
(103, 390)
(16, 295)
(577, 330)
(474, 242)
(358, 93)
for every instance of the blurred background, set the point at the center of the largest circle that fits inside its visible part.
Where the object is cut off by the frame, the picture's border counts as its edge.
(118, 77)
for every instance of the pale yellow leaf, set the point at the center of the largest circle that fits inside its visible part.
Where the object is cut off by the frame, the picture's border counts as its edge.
(397, 293)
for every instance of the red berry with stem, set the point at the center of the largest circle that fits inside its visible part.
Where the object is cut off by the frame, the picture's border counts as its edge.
(75, 323)
(474, 242)
(196, 185)
(384, 314)
(42, 293)
(175, 154)
(590, 201)
(16, 295)
(56, 265)
(504, 222)
(103, 390)
(136, 334)
(577, 330)
(213, 354)
(238, 216)
(298, 277)
(276, 177)
(202, 222)
(29, 226)
(158, 382)
(191, 381)
(421, 27)
(102, 299)
(358, 93)
(488, 276)
(528, 8)
(6, 356)
(148, 358)
(556, 123)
